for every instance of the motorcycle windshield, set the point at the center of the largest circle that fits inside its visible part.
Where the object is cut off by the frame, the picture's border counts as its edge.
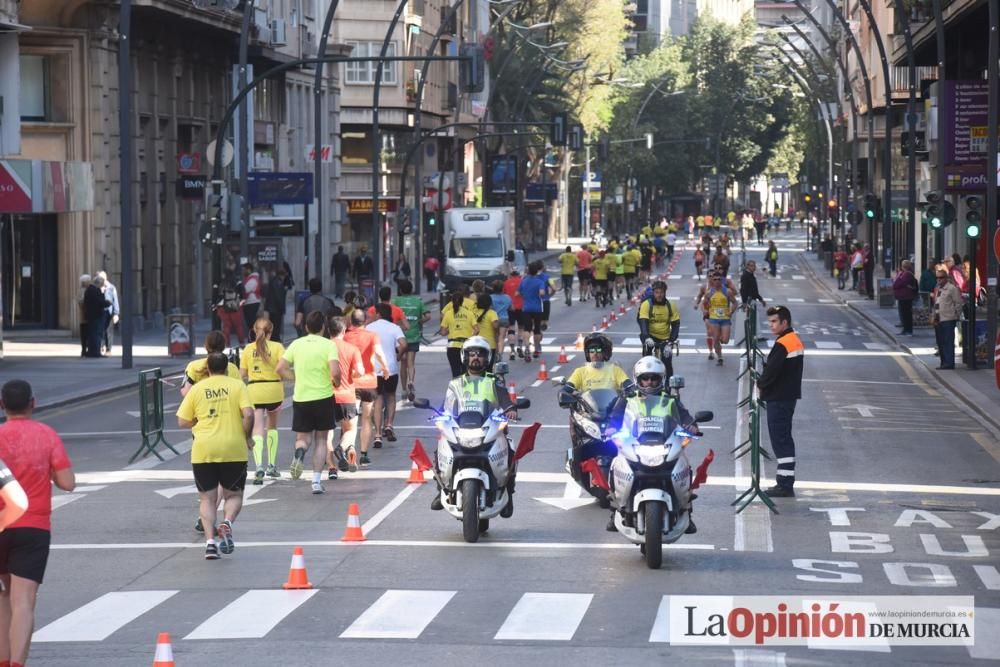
(472, 413)
(599, 402)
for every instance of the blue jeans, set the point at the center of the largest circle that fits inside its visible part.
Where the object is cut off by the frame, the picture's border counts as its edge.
(779, 428)
(944, 332)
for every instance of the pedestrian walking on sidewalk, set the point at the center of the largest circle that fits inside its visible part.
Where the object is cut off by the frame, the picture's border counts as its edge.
(220, 416)
(95, 311)
(780, 388)
(111, 313)
(771, 257)
(36, 457)
(905, 289)
(276, 302)
(84, 330)
(364, 274)
(340, 268)
(312, 363)
(947, 309)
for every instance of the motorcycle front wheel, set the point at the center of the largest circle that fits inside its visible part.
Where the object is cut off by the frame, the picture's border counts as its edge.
(654, 535)
(470, 509)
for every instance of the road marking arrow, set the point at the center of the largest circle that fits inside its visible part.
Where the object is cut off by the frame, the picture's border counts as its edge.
(80, 491)
(177, 490)
(249, 492)
(863, 410)
(570, 499)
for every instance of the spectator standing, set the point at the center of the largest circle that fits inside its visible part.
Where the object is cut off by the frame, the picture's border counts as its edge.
(393, 343)
(402, 270)
(94, 310)
(857, 264)
(111, 313)
(276, 302)
(340, 268)
(780, 388)
(364, 274)
(905, 289)
(36, 457)
(868, 267)
(227, 308)
(749, 291)
(928, 281)
(220, 416)
(431, 266)
(947, 309)
(840, 260)
(251, 295)
(84, 284)
(315, 302)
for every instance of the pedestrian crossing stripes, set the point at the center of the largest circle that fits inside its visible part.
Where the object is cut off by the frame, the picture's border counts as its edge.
(396, 614)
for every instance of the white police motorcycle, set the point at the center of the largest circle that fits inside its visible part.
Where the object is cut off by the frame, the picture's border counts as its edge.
(651, 477)
(474, 462)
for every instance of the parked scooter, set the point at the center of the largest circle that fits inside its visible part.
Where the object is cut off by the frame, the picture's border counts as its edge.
(651, 480)
(474, 462)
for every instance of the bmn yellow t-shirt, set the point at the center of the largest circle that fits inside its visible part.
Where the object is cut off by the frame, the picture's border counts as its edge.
(197, 370)
(264, 382)
(486, 326)
(608, 376)
(217, 404)
(567, 261)
(459, 325)
(601, 268)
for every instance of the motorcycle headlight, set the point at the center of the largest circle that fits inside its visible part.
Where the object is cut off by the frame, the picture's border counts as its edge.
(651, 455)
(469, 438)
(589, 427)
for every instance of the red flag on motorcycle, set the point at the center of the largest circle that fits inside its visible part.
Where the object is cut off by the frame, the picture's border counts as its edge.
(527, 442)
(597, 477)
(419, 456)
(701, 474)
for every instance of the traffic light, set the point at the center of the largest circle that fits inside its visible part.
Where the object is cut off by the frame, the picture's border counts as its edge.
(217, 212)
(938, 211)
(559, 128)
(808, 199)
(431, 221)
(472, 68)
(973, 216)
(871, 206)
(406, 215)
(575, 137)
(603, 147)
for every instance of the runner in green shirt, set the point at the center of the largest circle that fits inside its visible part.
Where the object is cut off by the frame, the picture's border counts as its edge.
(417, 314)
(312, 362)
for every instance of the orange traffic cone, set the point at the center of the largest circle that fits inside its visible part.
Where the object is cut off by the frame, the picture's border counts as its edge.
(164, 656)
(604, 323)
(353, 532)
(416, 475)
(563, 359)
(614, 318)
(543, 373)
(621, 309)
(579, 341)
(512, 391)
(297, 577)
(593, 328)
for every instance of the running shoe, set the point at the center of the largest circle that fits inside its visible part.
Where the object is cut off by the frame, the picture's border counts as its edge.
(719, 362)
(711, 356)
(352, 460)
(317, 489)
(512, 356)
(377, 444)
(272, 471)
(225, 531)
(331, 474)
(365, 461)
(199, 527)
(389, 434)
(211, 551)
(520, 351)
(338, 453)
(258, 477)
(410, 393)
(296, 467)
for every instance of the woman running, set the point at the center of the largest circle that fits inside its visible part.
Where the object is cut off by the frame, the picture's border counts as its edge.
(267, 393)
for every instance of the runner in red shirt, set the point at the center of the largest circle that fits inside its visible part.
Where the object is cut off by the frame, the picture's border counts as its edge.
(36, 457)
(365, 386)
(398, 316)
(516, 316)
(344, 396)
(584, 270)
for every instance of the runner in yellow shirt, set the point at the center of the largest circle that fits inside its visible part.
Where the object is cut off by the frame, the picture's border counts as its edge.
(567, 266)
(197, 370)
(602, 265)
(458, 323)
(220, 416)
(258, 364)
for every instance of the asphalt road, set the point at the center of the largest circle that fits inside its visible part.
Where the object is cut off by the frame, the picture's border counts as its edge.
(898, 494)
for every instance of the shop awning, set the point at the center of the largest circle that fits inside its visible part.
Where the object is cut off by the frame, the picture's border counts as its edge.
(41, 186)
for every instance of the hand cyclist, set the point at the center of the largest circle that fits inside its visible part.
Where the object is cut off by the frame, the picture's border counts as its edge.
(659, 325)
(597, 373)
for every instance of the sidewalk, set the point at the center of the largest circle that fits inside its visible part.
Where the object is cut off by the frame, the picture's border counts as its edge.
(977, 389)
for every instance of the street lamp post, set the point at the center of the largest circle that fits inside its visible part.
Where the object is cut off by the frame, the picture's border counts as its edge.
(125, 175)
(318, 182)
(244, 138)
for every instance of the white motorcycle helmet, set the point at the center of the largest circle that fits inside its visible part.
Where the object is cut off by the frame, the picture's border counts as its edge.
(476, 343)
(646, 369)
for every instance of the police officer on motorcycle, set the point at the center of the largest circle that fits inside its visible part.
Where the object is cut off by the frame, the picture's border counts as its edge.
(478, 386)
(659, 324)
(651, 381)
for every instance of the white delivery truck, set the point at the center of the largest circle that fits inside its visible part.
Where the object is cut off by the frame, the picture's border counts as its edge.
(479, 244)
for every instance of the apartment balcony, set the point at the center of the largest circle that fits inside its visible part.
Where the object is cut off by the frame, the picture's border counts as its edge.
(899, 79)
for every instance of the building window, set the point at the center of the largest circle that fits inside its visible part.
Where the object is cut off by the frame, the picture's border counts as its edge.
(356, 147)
(36, 101)
(363, 73)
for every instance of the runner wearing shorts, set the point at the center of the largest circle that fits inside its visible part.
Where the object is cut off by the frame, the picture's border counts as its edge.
(311, 361)
(220, 415)
(719, 303)
(393, 343)
(600, 268)
(267, 392)
(501, 306)
(584, 264)
(344, 397)
(417, 315)
(34, 455)
(515, 331)
(366, 385)
(567, 264)
(532, 289)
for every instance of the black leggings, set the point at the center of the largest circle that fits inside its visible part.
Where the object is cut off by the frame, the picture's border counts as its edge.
(455, 361)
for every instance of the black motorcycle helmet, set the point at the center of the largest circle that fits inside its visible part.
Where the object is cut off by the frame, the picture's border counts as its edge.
(595, 340)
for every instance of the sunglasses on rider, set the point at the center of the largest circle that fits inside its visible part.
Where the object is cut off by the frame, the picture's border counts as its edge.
(650, 378)
(476, 352)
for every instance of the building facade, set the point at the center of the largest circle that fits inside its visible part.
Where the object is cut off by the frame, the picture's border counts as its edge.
(183, 61)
